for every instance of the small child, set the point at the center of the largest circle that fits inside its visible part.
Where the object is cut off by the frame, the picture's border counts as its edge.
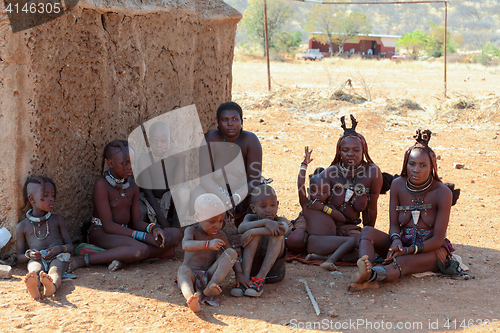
(201, 272)
(49, 243)
(263, 244)
(320, 219)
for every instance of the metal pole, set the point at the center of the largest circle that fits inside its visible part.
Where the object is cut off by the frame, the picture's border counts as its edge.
(445, 35)
(267, 47)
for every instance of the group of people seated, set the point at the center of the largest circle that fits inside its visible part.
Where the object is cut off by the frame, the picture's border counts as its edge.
(131, 222)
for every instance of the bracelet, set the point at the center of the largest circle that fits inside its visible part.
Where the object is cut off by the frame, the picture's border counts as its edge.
(149, 228)
(206, 245)
(395, 235)
(415, 249)
(139, 235)
(406, 250)
(239, 197)
(27, 254)
(303, 167)
(65, 249)
(156, 226)
(327, 210)
(304, 164)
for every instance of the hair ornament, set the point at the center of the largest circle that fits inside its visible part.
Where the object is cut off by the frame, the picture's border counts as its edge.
(349, 131)
(423, 137)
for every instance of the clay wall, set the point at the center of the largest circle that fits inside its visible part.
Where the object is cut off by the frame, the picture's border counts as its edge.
(71, 85)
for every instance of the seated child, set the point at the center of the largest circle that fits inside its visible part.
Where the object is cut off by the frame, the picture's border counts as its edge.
(117, 224)
(320, 220)
(201, 272)
(164, 161)
(48, 241)
(263, 244)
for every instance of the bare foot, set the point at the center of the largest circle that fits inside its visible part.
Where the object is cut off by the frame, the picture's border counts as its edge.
(115, 265)
(74, 263)
(212, 289)
(48, 283)
(194, 302)
(31, 280)
(362, 286)
(312, 256)
(364, 270)
(329, 266)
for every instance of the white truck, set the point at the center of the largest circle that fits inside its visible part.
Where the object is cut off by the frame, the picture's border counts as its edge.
(312, 54)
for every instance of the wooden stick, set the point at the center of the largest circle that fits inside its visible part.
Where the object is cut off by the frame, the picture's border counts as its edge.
(311, 297)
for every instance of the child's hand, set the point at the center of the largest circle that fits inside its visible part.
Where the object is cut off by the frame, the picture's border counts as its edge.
(35, 255)
(161, 237)
(246, 238)
(52, 252)
(273, 227)
(241, 279)
(307, 155)
(215, 244)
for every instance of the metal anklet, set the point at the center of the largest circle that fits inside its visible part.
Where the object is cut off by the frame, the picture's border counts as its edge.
(399, 267)
(86, 259)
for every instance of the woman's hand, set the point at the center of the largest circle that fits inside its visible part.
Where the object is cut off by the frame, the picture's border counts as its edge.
(315, 204)
(307, 155)
(161, 237)
(395, 250)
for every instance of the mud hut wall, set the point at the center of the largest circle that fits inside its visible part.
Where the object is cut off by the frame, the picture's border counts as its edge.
(73, 84)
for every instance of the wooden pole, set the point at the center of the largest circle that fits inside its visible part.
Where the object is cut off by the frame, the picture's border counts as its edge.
(445, 35)
(267, 47)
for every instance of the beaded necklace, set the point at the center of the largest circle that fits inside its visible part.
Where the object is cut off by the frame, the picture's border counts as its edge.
(38, 221)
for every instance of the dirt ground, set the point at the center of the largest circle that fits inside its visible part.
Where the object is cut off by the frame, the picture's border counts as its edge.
(300, 111)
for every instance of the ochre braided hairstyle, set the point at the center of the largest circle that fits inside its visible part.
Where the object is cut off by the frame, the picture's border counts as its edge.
(351, 132)
(108, 153)
(36, 180)
(422, 138)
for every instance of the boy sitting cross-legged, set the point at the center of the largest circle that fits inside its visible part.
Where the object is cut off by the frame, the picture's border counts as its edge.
(201, 272)
(263, 244)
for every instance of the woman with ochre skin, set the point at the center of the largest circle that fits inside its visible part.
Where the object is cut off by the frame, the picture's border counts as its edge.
(355, 183)
(419, 211)
(232, 158)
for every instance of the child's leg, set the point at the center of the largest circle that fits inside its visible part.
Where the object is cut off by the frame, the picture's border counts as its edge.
(249, 252)
(52, 281)
(219, 270)
(185, 281)
(348, 244)
(31, 279)
(275, 247)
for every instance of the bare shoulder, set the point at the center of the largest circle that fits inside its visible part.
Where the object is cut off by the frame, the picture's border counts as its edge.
(213, 136)
(101, 183)
(58, 218)
(444, 190)
(372, 167)
(250, 137)
(133, 184)
(190, 231)
(23, 225)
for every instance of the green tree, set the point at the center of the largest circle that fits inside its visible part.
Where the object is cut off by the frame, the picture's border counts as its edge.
(288, 42)
(324, 18)
(415, 42)
(279, 13)
(435, 44)
(336, 26)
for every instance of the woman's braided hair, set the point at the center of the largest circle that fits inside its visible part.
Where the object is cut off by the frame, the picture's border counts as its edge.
(422, 138)
(351, 133)
(108, 153)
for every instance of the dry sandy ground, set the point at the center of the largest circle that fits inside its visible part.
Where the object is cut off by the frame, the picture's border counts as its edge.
(143, 297)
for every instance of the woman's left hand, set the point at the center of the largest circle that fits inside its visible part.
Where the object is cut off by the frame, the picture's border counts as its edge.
(395, 250)
(161, 237)
(315, 204)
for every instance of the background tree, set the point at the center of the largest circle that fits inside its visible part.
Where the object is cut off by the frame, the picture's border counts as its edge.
(351, 25)
(279, 12)
(288, 42)
(415, 42)
(324, 18)
(435, 44)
